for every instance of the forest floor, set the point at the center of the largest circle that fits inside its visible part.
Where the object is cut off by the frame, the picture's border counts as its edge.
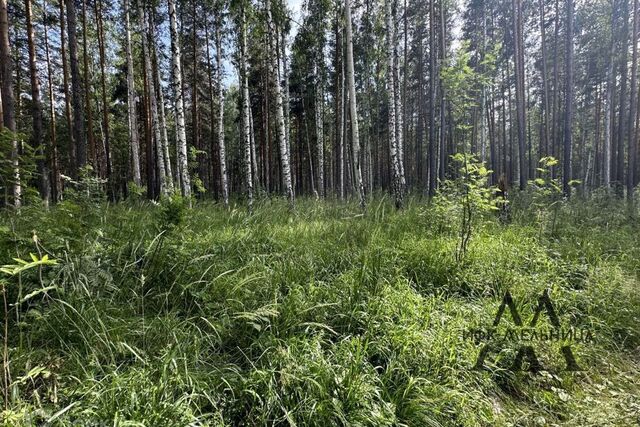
(156, 315)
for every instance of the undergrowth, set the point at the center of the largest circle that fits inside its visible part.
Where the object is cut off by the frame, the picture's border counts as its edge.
(155, 315)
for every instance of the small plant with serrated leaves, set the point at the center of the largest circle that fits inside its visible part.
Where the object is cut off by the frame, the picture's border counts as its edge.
(547, 194)
(474, 196)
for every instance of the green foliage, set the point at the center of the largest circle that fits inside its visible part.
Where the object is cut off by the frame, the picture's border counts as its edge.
(172, 211)
(327, 317)
(466, 198)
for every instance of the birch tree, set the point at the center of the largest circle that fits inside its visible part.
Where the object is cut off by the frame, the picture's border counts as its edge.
(245, 110)
(353, 109)
(393, 127)
(176, 83)
(280, 127)
(220, 119)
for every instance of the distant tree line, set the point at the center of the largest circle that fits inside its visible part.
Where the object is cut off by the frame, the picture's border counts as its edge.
(234, 98)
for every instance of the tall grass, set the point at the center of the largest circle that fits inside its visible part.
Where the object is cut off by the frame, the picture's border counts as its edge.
(325, 316)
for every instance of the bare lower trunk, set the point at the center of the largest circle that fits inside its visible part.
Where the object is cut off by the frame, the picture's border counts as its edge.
(176, 83)
(131, 102)
(319, 130)
(353, 109)
(246, 112)
(391, 90)
(163, 145)
(220, 122)
(76, 90)
(280, 127)
(8, 113)
(36, 109)
(53, 152)
(153, 103)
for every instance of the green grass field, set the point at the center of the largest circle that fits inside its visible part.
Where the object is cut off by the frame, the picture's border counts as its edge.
(157, 315)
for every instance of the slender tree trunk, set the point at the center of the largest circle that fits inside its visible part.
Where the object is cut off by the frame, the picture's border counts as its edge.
(633, 147)
(220, 122)
(391, 86)
(556, 87)
(622, 125)
(444, 105)
(544, 146)
(520, 95)
(36, 109)
(319, 103)
(433, 77)
(246, 121)
(147, 47)
(105, 104)
(87, 91)
(568, 115)
(397, 99)
(53, 152)
(8, 113)
(353, 109)
(76, 90)
(339, 104)
(280, 127)
(131, 101)
(163, 144)
(176, 83)
(67, 97)
(285, 91)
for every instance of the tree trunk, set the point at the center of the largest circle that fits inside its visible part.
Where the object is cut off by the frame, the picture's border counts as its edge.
(353, 109)
(544, 145)
(153, 102)
(67, 97)
(220, 122)
(176, 83)
(93, 155)
(53, 152)
(76, 89)
(8, 113)
(131, 102)
(105, 104)
(566, 176)
(163, 144)
(433, 73)
(391, 90)
(280, 127)
(36, 109)
(518, 47)
(339, 104)
(633, 147)
(245, 110)
(319, 103)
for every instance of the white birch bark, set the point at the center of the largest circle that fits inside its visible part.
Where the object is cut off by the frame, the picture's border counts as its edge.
(220, 122)
(393, 128)
(280, 127)
(353, 109)
(319, 129)
(163, 131)
(176, 82)
(246, 122)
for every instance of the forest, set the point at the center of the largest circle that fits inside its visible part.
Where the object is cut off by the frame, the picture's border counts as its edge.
(319, 212)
